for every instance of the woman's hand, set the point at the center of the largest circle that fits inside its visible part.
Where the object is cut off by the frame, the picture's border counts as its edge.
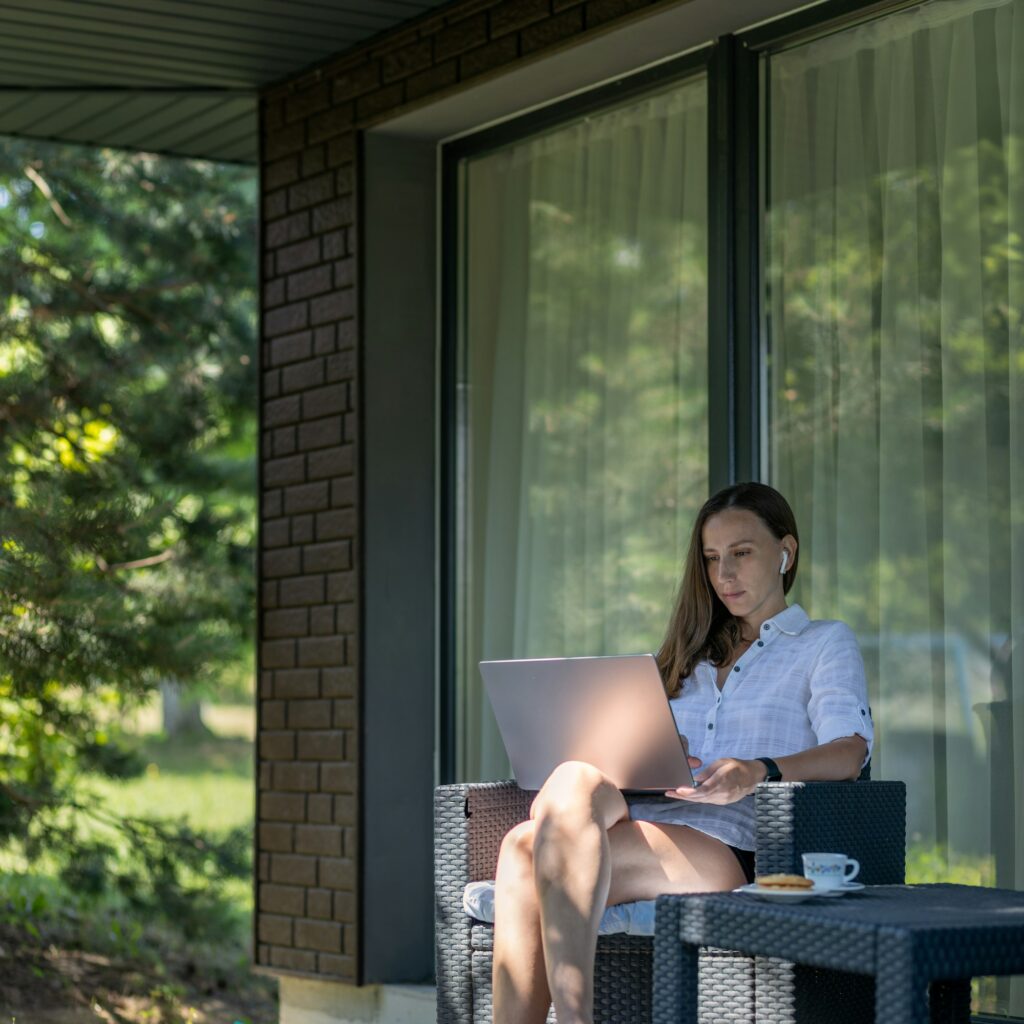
(723, 781)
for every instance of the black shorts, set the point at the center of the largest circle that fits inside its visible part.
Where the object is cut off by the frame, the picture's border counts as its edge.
(746, 859)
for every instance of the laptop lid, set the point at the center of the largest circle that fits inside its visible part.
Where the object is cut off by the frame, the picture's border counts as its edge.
(611, 712)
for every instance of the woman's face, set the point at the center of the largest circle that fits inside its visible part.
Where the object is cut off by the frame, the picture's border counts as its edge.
(743, 557)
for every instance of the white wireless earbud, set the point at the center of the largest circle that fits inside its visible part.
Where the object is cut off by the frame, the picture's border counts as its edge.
(785, 562)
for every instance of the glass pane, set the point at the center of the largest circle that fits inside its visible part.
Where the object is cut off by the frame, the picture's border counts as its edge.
(582, 420)
(895, 293)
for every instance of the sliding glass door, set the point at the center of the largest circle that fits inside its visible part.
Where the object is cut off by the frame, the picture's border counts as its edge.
(581, 420)
(894, 300)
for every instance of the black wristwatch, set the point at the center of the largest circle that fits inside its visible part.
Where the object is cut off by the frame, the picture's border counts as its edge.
(774, 775)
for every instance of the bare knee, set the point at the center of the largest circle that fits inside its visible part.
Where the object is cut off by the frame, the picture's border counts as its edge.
(573, 793)
(516, 853)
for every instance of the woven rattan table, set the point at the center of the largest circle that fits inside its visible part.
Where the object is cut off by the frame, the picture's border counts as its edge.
(921, 943)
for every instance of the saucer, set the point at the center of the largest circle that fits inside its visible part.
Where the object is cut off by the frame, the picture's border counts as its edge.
(777, 895)
(838, 890)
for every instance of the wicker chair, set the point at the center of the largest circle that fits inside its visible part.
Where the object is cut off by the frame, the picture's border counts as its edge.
(864, 819)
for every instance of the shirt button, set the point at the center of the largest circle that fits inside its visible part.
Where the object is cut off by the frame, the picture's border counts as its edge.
(736, 669)
(766, 626)
(760, 643)
(711, 725)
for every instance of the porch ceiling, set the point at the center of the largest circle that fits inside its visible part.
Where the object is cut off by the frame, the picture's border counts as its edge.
(168, 76)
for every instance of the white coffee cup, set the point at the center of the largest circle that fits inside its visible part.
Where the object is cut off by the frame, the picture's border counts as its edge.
(830, 870)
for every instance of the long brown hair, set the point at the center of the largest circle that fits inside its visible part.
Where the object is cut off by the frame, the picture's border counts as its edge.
(701, 627)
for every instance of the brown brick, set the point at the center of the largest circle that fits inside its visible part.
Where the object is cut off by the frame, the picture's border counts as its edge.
(319, 809)
(266, 776)
(278, 173)
(284, 439)
(343, 493)
(320, 433)
(345, 618)
(263, 955)
(284, 899)
(275, 204)
(272, 714)
(287, 230)
(268, 594)
(356, 81)
(275, 929)
(333, 243)
(331, 966)
(407, 60)
(291, 348)
(314, 281)
(300, 376)
(338, 682)
(323, 840)
(302, 529)
(298, 256)
(283, 141)
(344, 809)
(278, 472)
(380, 102)
(599, 11)
(335, 214)
(553, 30)
(277, 745)
(318, 904)
(345, 273)
(286, 622)
(323, 935)
(461, 36)
(285, 319)
(320, 402)
(334, 306)
(272, 384)
(281, 411)
(341, 586)
(324, 339)
(309, 714)
(350, 426)
(344, 907)
(297, 683)
(333, 122)
(306, 498)
(321, 651)
(321, 621)
(344, 714)
(264, 868)
(513, 15)
(311, 191)
(294, 869)
(302, 590)
(348, 334)
(351, 946)
(341, 150)
(341, 366)
(299, 960)
(332, 462)
(282, 807)
(321, 744)
(275, 533)
(275, 838)
(277, 653)
(345, 180)
(282, 562)
(337, 873)
(334, 524)
(327, 557)
(432, 80)
(266, 684)
(272, 113)
(294, 777)
(307, 101)
(338, 778)
(314, 158)
(487, 58)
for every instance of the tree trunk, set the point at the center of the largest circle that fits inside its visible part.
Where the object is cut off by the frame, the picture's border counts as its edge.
(182, 712)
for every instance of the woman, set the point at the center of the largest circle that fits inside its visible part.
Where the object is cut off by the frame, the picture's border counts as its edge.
(760, 690)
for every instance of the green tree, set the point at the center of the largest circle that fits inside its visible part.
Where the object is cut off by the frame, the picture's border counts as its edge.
(127, 435)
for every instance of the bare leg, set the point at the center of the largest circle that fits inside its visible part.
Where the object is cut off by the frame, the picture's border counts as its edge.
(520, 985)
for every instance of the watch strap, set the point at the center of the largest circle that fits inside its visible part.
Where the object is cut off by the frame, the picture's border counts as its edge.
(774, 775)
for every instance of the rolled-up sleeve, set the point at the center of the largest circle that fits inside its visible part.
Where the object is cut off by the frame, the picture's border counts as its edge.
(839, 694)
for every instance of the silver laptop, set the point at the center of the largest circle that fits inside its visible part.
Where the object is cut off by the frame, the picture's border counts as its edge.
(611, 712)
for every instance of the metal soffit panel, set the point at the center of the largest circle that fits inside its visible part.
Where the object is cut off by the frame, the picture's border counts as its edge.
(169, 76)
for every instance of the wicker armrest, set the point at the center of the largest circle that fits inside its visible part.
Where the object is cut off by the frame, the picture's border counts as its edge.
(865, 820)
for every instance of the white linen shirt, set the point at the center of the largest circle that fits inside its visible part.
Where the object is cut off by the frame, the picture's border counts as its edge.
(801, 683)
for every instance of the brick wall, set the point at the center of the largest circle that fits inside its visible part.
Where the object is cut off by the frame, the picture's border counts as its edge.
(308, 761)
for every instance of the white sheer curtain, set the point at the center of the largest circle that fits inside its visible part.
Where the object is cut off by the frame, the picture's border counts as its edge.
(583, 439)
(895, 278)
